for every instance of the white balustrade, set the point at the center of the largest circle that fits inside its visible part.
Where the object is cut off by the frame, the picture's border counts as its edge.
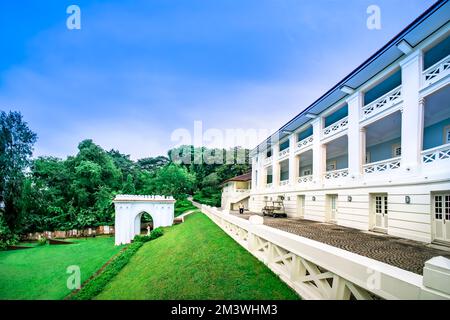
(436, 154)
(284, 182)
(283, 153)
(436, 72)
(305, 143)
(335, 174)
(269, 185)
(268, 160)
(336, 127)
(382, 166)
(305, 179)
(319, 271)
(384, 102)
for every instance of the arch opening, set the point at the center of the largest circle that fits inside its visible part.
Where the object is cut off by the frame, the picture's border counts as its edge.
(142, 221)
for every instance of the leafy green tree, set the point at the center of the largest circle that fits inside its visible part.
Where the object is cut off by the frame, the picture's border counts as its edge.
(129, 187)
(124, 163)
(152, 164)
(16, 148)
(211, 180)
(171, 180)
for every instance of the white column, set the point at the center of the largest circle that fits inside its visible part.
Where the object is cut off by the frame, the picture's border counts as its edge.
(293, 171)
(319, 150)
(412, 117)
(255, 170)
(275, 164)
(356, 137)
(261, 173)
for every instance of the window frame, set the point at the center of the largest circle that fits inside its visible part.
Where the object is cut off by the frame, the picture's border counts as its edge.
(396, 146)
(331, 163)
(446, 134)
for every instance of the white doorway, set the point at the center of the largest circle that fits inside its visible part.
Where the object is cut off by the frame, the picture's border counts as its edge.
(332, 207)
(301, 206)
(380, 212)
(441, 217)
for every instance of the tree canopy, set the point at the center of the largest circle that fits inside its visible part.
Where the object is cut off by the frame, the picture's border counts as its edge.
(48, 193)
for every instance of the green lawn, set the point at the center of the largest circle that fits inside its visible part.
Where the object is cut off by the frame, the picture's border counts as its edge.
(195, 260)
(40, 273)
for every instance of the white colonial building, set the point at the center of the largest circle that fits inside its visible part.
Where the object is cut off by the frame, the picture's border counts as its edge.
(373, 153)
(235, 191)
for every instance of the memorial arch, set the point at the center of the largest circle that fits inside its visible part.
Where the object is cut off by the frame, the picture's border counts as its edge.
(130, 208)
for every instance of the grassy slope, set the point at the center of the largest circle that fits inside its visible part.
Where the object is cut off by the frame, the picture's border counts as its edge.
(195, 260)
(40, 273)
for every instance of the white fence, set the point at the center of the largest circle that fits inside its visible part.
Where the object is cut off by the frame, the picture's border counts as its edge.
(319, 271)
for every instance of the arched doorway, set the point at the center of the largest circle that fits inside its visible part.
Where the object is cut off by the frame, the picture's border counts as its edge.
(141, 221)
(145, 220)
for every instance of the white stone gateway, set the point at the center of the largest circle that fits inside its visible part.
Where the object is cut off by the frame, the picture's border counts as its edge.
(130, 208)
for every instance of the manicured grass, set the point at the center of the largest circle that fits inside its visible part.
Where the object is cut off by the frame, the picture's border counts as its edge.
(40, 273)
(195, 260)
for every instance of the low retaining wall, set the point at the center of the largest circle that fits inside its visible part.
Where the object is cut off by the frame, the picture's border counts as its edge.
(319, 271)
(89, 232)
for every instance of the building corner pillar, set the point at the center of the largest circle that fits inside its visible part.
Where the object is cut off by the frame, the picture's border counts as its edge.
(356, 136)
(275, 164)
(412, 112)
(293, 165)
(319, 150)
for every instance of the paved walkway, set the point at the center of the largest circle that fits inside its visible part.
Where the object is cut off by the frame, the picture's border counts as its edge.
(406, 254)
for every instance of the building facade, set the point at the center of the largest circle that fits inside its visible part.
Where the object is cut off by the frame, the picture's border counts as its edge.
(373, 153)
(235, 191)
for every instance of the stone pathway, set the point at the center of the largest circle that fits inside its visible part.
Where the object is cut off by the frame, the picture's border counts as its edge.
(406, 254)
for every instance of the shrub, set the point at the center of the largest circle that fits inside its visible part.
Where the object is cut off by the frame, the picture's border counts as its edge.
(210, 199)
(7, 238)
(42, 242)
(142, 239)
(181, 206)
(158, 232)
(99, 281)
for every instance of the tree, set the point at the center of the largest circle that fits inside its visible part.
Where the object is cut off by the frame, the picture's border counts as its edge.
(16, 149)
(123, 163)
(211, 180)
(152, 164)
(128, 187)
(171, 180)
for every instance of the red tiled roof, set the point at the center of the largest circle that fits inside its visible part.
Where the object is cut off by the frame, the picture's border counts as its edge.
(244, 177)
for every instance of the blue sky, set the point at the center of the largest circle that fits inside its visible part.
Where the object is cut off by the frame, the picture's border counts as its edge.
(138, 70)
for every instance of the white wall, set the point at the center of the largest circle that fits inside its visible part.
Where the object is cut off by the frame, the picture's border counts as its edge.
(411, 221)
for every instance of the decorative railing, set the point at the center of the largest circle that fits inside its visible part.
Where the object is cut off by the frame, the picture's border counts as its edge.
(283, 153)
(436, 71)
(436, 154)
(319, 271)
(384, 102)
(269, 185)
(239, 194)
(336, 127)
(305, 179)
(335, 174)
(284, 182)
(268, 160)
(382, 166)
(305, 142)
